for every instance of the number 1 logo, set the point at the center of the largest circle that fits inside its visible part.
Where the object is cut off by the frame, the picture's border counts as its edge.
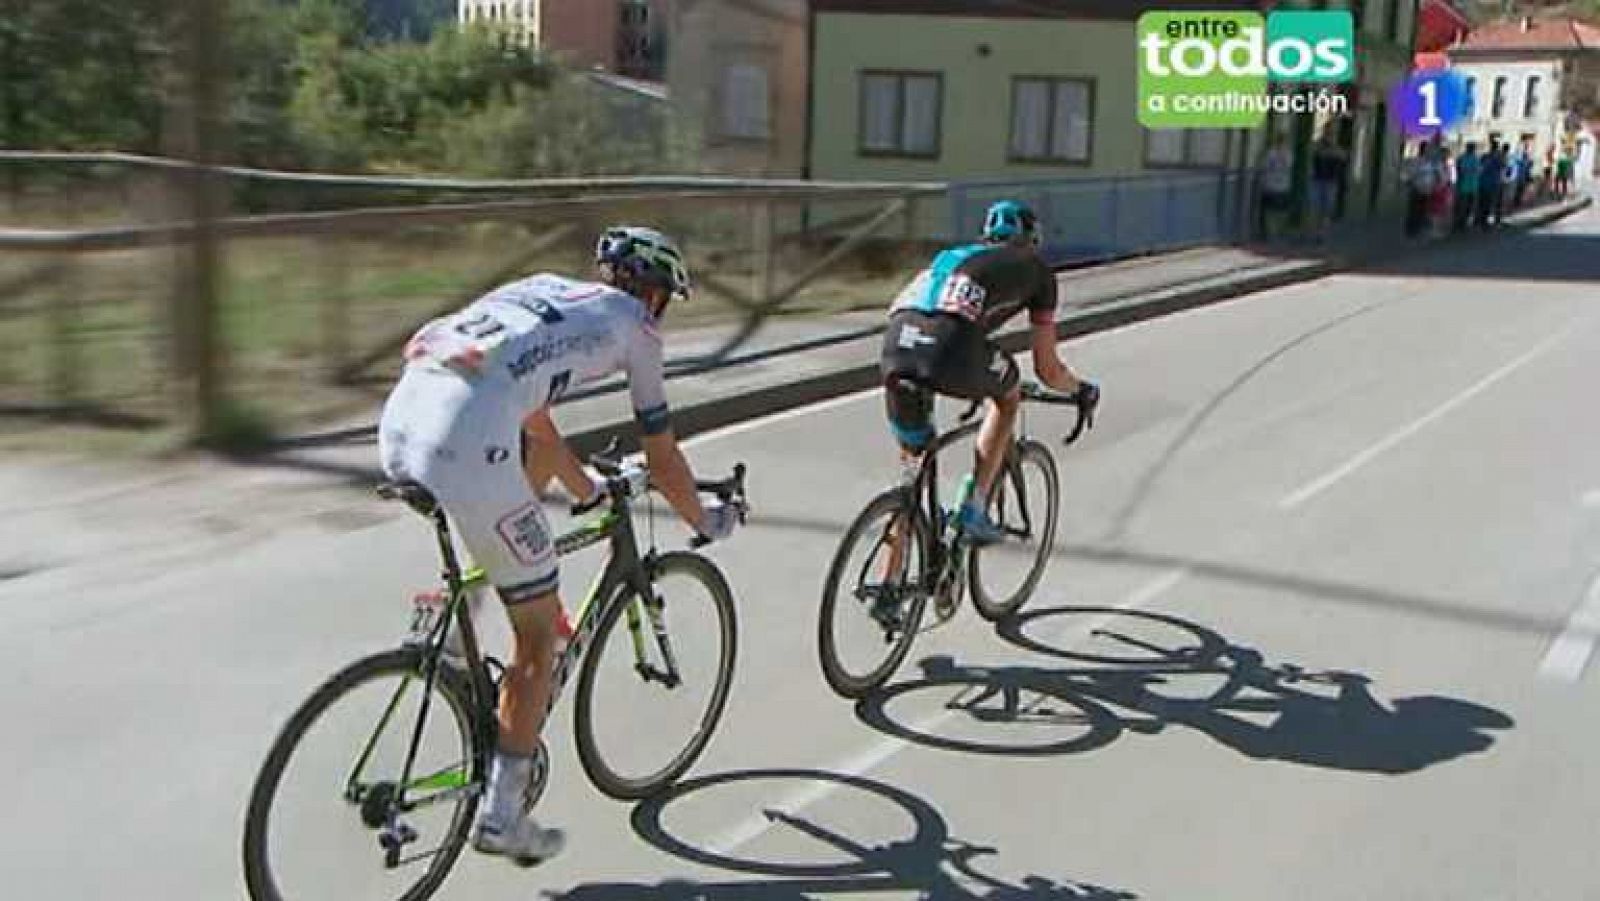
(1431, 101)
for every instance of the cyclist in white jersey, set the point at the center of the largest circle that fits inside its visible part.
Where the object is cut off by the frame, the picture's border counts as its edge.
(479, 382)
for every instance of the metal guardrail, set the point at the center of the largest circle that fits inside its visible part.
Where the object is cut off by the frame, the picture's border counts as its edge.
(554, 220)
(1086, 219)
(653, 183)
(367, 219)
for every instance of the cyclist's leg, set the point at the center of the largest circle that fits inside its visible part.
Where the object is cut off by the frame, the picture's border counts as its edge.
(910, 352)
(503, 526)
(975, 369)
(994, 439)
(473, 467)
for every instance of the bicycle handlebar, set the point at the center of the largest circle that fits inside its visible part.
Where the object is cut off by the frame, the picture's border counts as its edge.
(1086, 399)
(729, 491)
(1034, 392)
(620, 483)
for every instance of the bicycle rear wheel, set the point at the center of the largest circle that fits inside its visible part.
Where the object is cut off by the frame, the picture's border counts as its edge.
(1025, 502)
(328, 818)
(660, 691)
(872, 601)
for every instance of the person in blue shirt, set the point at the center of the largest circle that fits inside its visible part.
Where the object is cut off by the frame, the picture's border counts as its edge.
(1469, 167)
(1521, 174)
(1491, 185)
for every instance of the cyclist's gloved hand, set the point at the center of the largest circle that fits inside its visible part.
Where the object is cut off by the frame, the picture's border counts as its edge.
(1087, 398)
(721, 519)
(597, 490)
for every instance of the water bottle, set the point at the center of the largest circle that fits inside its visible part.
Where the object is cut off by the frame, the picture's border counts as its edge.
(963, 496)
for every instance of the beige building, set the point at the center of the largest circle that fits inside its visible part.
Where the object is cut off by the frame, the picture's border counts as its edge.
(736, 76)
(934, 90)
(1040, 99)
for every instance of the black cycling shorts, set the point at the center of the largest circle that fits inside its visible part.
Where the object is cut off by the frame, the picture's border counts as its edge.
(941, 354)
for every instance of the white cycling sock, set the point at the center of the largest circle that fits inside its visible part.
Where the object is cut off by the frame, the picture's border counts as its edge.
(508, 779)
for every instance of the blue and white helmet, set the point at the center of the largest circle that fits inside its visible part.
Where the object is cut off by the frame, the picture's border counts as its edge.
(645, 254)
(1008, 220)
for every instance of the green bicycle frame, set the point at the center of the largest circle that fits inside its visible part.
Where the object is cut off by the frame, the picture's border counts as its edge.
(624, 568)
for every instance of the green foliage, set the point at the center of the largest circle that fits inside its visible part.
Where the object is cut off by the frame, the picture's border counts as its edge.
(308, 88)
(82, 73)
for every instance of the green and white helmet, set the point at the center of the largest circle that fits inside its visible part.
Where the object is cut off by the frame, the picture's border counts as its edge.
(646, 255)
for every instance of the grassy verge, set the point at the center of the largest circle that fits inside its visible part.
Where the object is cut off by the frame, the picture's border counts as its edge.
(293, 308)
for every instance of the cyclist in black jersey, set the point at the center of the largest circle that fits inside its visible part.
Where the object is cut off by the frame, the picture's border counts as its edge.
(938, 343)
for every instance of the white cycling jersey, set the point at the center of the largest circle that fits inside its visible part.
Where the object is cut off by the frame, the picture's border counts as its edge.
(532, 341)
(454, 421)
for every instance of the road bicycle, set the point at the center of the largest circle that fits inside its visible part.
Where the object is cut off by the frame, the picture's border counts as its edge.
(915, 550)
(404, 782)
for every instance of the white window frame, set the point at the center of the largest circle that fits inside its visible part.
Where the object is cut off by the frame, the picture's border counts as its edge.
(902, 144)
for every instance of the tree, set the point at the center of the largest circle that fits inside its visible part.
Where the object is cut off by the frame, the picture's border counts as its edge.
(83, 74)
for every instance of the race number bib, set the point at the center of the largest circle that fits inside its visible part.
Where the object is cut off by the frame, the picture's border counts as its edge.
(963, 297)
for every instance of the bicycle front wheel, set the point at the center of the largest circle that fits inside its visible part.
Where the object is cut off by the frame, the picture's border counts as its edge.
(873, 599)
(651, 693)
(335, 815)
(1025, 503)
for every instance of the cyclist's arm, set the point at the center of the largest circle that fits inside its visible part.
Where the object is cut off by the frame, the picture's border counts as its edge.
(669, 472)
(1047, 362)
(671, 475)
(548, 455)
(1042, 335)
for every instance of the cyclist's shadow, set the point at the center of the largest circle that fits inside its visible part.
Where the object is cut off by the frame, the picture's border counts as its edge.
(1330, 719)
(930, 862)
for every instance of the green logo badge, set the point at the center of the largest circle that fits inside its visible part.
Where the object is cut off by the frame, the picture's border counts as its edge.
(1212, 69)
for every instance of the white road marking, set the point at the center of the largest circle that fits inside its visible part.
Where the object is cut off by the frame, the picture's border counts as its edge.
(1327, 480)
(1570, 652)
(794, 802)
(759, 422)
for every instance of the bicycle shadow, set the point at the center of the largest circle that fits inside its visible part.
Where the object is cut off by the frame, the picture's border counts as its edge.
(929, 862)
(1330, 719)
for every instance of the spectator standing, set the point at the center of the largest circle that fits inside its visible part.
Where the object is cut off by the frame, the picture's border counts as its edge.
(1328, 165)
(1443, 192)
(1276, 185)
(1469, 167)
(1490, 179)
(1521, 175)
(1564, 173)
(1421, 175)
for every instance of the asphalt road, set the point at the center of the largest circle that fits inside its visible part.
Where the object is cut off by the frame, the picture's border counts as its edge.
(1318, 625)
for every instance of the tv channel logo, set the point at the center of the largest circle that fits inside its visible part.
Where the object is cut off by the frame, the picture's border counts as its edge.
(1213, 69)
